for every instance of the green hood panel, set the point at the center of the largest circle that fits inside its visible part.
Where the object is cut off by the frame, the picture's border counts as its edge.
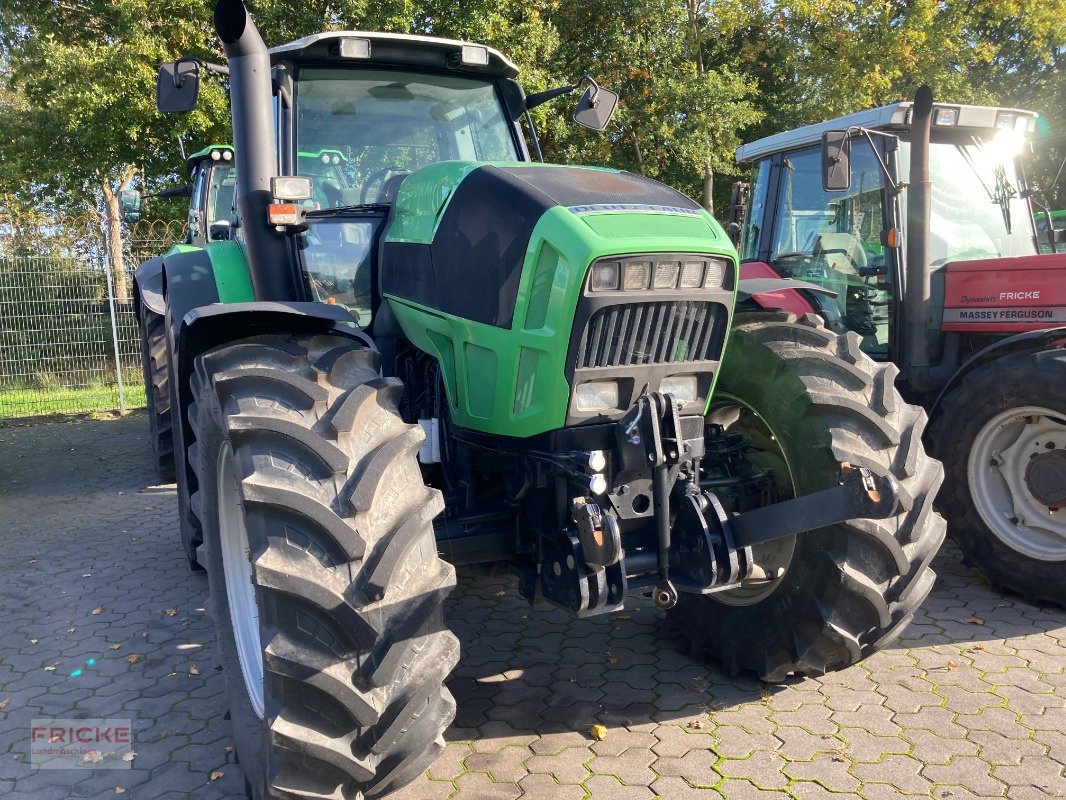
(511, 380)
(424, 195)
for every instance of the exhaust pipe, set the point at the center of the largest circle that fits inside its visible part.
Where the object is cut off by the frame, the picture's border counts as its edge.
(918, 290)
(269, 255)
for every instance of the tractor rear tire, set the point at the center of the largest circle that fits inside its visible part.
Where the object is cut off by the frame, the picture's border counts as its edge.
(157, 390)
(809, 401)
(1001, 526)
(325, 582)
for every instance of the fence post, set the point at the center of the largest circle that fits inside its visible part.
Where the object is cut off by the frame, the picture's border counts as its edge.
(114, 331)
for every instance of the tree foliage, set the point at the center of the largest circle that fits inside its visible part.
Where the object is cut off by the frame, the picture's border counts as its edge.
(697, 77)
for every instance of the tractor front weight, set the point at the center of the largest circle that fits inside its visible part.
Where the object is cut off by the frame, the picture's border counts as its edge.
(698, 546)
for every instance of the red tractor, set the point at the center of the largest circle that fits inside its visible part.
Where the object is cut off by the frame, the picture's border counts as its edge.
(914, 226)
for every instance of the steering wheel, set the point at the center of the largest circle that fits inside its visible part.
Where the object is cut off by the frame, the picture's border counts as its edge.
(378, 176)
(801, 263)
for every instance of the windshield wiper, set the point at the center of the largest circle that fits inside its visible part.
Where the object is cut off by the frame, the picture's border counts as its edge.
(1005, 192)
(358, 208)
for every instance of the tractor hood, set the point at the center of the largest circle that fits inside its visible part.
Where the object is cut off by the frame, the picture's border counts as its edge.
(461, 230)
(486, 267)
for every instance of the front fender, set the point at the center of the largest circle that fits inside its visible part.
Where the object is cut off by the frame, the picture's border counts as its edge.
(204, 327)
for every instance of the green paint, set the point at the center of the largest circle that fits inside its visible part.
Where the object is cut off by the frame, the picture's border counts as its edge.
(206, 152)
(522, 389)
(181, 247)
(230, 268)
(619, 224)
(424, 196)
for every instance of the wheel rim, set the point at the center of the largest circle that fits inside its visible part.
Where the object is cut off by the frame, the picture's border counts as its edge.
(1018, 452)
(240, 591)
(774, 557)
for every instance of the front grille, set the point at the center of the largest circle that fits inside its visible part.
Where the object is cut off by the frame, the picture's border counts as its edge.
(650, 333)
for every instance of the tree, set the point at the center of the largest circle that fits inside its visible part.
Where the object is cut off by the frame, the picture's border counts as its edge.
(86, 124)
(679, 116)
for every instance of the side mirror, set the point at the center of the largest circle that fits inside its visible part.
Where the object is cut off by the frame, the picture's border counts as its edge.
(177, 86)
(129, 204)
(595, 107)
(219, 231)
(836, 161)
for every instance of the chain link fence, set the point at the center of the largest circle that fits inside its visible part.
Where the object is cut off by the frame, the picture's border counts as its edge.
(69, 341)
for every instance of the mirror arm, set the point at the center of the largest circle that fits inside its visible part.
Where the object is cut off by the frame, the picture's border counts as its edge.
(539, 98)
(1035, 197)
(869, 136)
(206, 66)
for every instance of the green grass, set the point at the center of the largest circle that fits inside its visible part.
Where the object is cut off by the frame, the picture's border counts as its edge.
(16, 403)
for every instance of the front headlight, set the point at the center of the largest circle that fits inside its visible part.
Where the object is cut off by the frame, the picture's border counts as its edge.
(638, 275)
(666, 275)
(604, 276)
(596, 396)
(682, 387)
(649, 273)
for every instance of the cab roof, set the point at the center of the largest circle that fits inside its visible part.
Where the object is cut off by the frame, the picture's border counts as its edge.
(206, 152)
(894, 118)
(398, 49)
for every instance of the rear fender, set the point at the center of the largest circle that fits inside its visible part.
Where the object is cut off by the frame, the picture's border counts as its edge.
(148, 287)
(1031, 340)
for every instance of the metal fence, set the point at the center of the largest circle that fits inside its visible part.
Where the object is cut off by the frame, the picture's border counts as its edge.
(69, 341)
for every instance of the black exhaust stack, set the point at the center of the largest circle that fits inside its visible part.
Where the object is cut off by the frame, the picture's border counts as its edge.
(269, 256)
(918, 289)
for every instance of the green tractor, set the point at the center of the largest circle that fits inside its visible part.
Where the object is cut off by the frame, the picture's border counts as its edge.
(487, 360)
(210, 192)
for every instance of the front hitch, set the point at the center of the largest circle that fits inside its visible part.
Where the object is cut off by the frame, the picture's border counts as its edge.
(860, 495)
(700, 547)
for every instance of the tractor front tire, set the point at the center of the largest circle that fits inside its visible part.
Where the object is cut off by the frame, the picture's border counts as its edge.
(325, 582)
(809, 401)
(157, 390)
(1001, 433)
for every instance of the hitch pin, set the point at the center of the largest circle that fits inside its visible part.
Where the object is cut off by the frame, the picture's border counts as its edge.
(868, 482)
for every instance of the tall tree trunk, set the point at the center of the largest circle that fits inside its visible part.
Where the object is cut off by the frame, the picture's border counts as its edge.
(113, 223)
(708, 188)
(697, 39)
(636, 151)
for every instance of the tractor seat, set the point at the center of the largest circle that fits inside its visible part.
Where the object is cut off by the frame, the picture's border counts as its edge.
(841, 251)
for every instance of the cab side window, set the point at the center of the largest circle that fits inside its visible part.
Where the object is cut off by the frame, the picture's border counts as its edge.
(199, 187)
(835, 239)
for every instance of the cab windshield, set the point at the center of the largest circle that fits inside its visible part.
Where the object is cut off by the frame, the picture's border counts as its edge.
(977, 208)
(385, 123)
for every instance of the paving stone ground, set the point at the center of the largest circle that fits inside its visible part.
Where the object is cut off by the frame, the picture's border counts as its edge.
(970, 703)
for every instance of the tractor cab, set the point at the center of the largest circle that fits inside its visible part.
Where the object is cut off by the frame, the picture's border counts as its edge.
(359, 112)
(212, 179)
(828, 205)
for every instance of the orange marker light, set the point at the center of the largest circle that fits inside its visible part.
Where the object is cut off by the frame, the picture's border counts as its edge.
(284, 214)
(892, 237)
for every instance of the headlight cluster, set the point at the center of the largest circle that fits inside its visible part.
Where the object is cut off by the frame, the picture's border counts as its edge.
(602, 396)
(657, 273)
(597, 396)
(221, 155)
(331, 158)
